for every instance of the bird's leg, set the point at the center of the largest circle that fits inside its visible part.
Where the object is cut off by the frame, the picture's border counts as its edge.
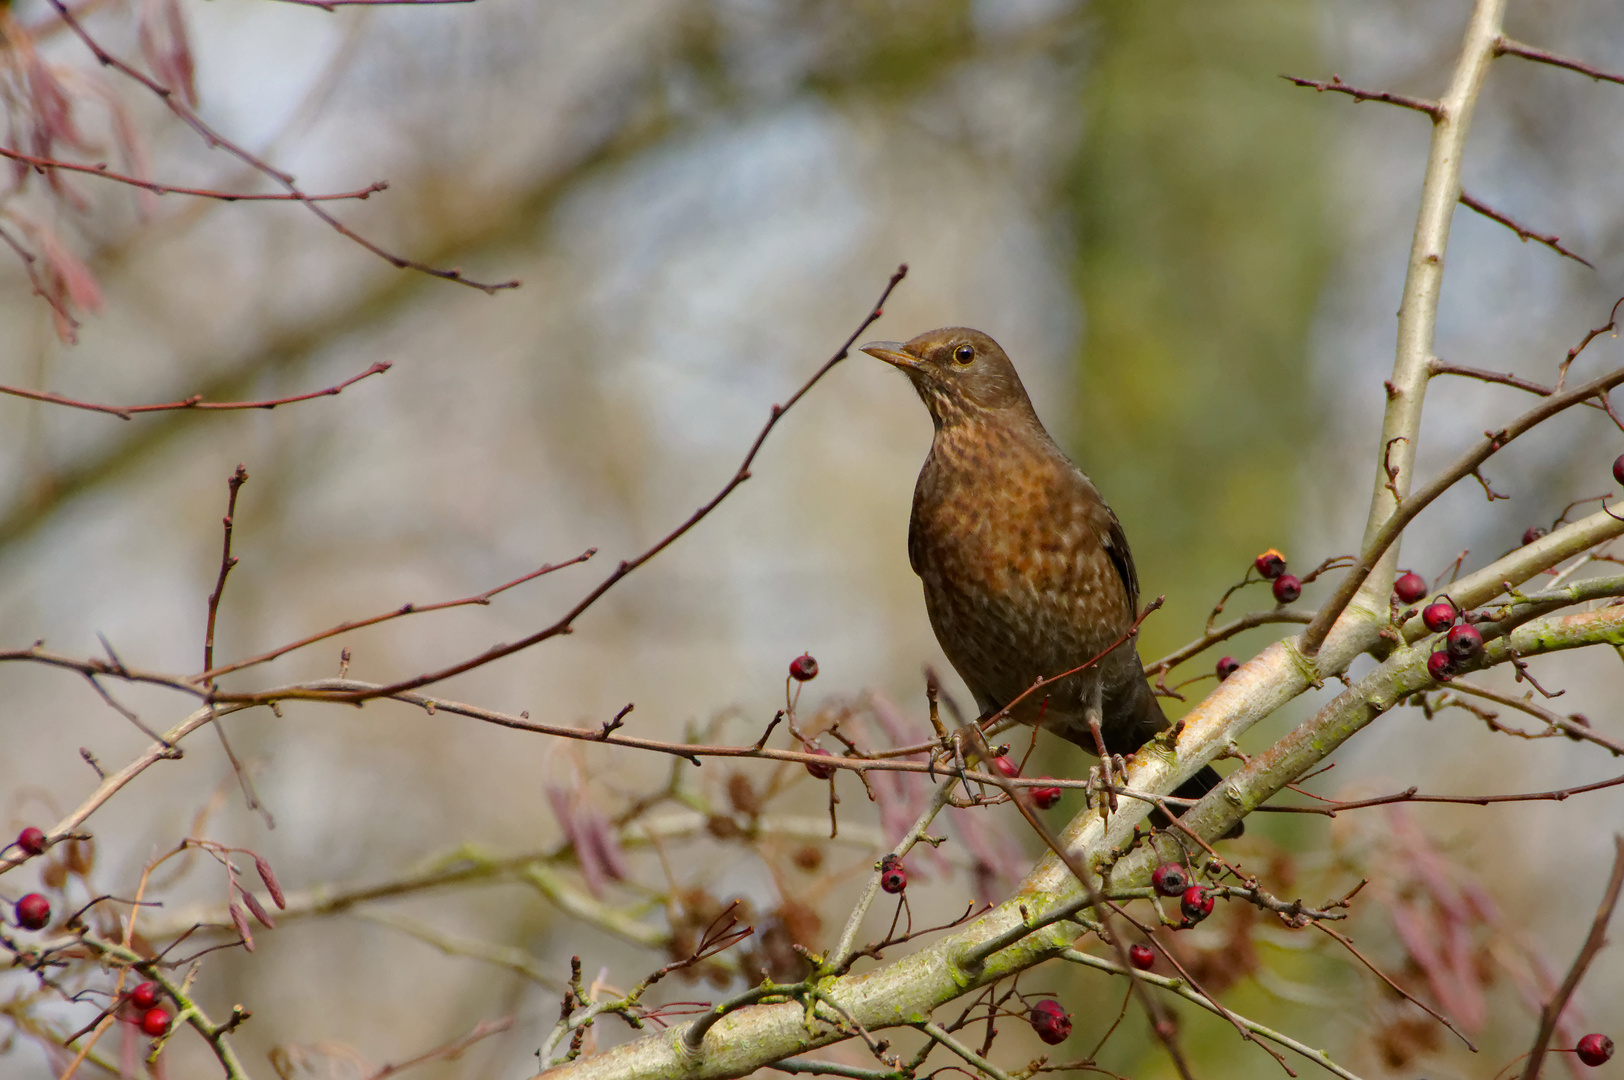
(1093, 712)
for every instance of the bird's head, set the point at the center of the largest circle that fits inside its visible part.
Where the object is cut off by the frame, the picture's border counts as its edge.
(959, 372)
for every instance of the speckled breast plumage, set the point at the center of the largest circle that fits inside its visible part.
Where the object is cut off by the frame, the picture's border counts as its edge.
(1011, 541)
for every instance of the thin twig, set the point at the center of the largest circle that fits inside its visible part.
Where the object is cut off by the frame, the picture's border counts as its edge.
(125, 412)
(1336, 85)
(1552, 1012)
(1523, 233)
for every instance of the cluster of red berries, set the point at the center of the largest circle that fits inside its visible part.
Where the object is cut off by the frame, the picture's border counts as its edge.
(1272, 566)
(155, 1018)
(1595, 1048)
(893, 876)
(1050, 1021)
(1042, 797)
(1462, 644)
(1195, 901)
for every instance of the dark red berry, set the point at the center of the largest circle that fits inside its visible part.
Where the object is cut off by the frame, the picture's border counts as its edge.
(33, 912)
(32, 841)
(1005, 766)
(893, 877)
(1463, 642)
(155, 1022)
(1169, 879)
(1227, 666)
(1532, 533)
(1596, 1048)
(803, 667)
(820, 772)
(1439, 616)
(1287, 588)
(144, 996)
(1050, 1021)
(1142, 957)
(1410, 587)
(1439, 666)
(1044, 797)
(1196, 903)
(1271, 564)
(1618, 468)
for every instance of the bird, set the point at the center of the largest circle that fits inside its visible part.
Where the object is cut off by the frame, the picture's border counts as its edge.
(1026, 571)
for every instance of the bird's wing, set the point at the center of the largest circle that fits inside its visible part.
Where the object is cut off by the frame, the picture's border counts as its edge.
(1115, 542)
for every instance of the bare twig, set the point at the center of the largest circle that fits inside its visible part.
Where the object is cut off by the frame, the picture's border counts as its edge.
(1552, 1012)
(125, 412)
(1336, 85)
(1524, 234)
(1505, 46)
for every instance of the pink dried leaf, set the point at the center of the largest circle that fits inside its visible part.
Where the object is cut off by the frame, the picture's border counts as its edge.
(268, 876)
(62, 264)
(166, 47)
(258, 909)
(586, 855)
(597, 834)
(240, 921)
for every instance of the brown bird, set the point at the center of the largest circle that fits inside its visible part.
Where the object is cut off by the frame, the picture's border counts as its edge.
(1027, 572)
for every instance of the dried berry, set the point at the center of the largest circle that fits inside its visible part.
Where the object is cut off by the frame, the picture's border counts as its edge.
(1196, 903)
(1596, 1048)
(1227, 666)
(1532, 533)
(893, 876)
(155, 1022)
(1044, 797)
(1050, 1021)
(1410, 587)
(803, 667)
(144, 996)
(1438, 616)
(1439, 666)
(1271, 564)
(1142, 957)
(1005, 766)
(1287, 588)
(1463, 642)
(1618, 468)
(33, 912)
(820, 772)
(1169, 879)
(32, 841)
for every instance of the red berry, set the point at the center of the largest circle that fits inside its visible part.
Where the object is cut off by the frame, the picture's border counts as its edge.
(1596, 1048)
(820, 772)
(1463, 642)
(32, 841)
(893, 877)
(1439, 616)
(1227, 666)
(1044, 797)
(803, 667)
(1532, 533)
(33, 912)
(155, 1022)
(1287, 588)
(1410, 587)
(1618, 468)
(1142, 957)
(1196, 903)
(1271, 564)
(1050, 1021)
(144, 996)
(1439, 666)
(1169, 879)
(1005, 766)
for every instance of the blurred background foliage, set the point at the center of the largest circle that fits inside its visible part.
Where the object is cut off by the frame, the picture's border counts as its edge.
(1194, 264)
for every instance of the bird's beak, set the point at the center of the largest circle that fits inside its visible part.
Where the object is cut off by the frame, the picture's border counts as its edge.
(894, 353)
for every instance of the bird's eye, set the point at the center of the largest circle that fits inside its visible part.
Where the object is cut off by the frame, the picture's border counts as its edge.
(964, 353)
